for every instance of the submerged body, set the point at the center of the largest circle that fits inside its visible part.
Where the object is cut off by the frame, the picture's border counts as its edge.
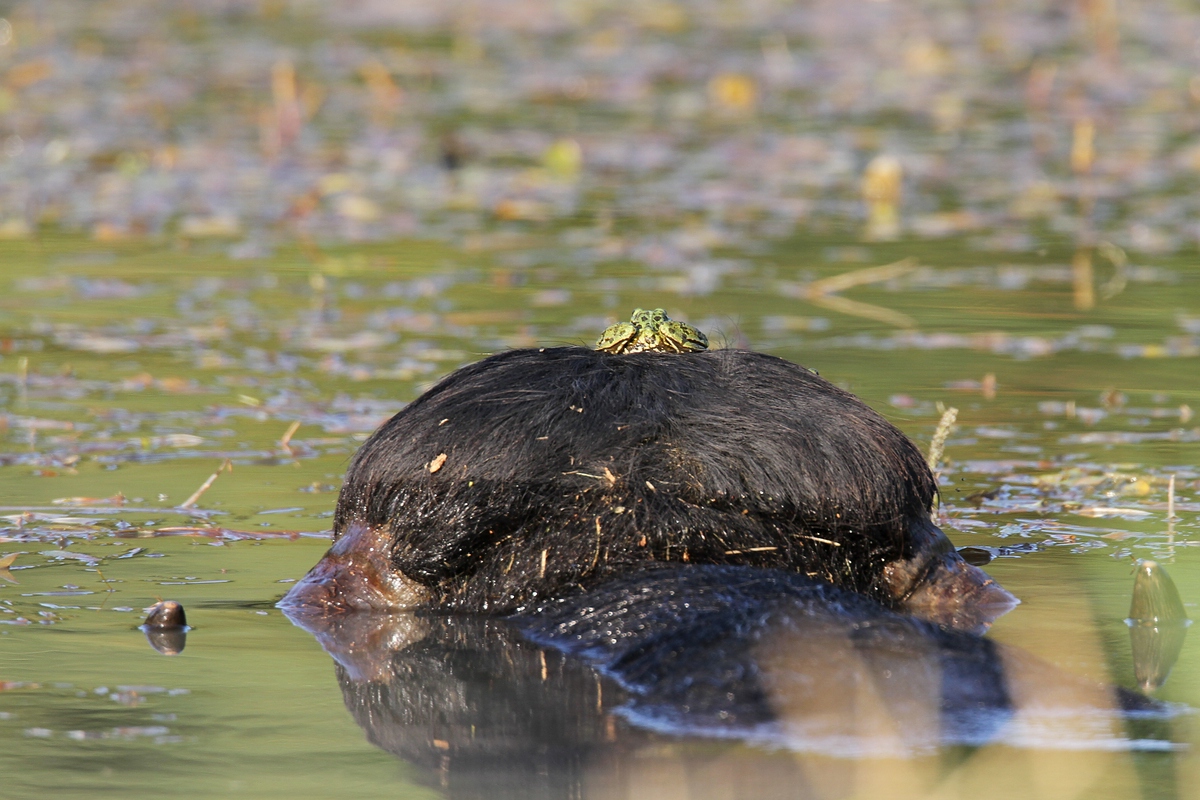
(539, 474)
(556, 702)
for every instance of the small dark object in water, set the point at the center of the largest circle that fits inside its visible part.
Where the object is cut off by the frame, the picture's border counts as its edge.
(1157, 625)
(976, 556)
(166, 614)
(166, 627)
(538, 474)
(978, 498)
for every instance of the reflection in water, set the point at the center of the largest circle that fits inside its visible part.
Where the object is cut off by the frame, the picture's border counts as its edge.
(482, 710)
(1157, 625)
(168, 641)
(592, 696)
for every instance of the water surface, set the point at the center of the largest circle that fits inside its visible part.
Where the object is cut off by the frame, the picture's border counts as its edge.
(127, 383)
(235, 237)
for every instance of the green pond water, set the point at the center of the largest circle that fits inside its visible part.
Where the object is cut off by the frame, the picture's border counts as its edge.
(130, 374)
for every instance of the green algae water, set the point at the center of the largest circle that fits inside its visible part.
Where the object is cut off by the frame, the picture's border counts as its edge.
(237, 236)
(131, 375)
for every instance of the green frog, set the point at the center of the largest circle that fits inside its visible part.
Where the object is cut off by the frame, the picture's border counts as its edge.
(651, 332)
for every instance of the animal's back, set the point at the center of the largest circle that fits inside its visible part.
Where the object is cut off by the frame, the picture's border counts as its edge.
(534, 473)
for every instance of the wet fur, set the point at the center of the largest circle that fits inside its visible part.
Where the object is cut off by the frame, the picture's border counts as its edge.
(498, 706)
(565, 467)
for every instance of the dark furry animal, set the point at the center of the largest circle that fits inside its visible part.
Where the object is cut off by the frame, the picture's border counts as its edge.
(717, 543)
(538, 474)
(711, 647)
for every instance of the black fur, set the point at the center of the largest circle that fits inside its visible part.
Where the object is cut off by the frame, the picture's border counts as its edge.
(687, 644)
(536, 474)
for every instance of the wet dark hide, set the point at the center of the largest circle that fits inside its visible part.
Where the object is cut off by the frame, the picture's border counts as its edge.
(582, 691)
(537, 474)
(685, 642)
(786, 659)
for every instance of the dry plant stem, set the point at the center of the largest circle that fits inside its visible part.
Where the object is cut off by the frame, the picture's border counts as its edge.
(1171, 498)
(938, 444)
(191, 501)
(104, 580)
(854, 308)
(596, 557)
(5, 563)
(287, 436)
(222, 533)
(861, 277)
(821, 293)
(1081, 272)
